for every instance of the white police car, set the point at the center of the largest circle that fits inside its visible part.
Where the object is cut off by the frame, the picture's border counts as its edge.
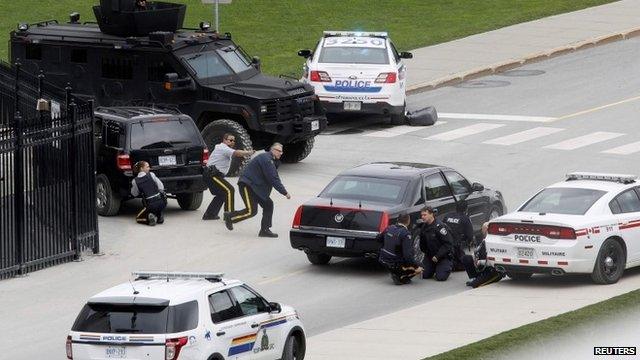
(358, 72)
(185, 316)
(589, 223)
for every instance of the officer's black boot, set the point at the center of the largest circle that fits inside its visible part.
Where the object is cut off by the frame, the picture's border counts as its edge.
(227, 220)
(151, 220)
(267, 233)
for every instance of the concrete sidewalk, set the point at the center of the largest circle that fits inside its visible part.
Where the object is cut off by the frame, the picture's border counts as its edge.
(477, 314)
(513, 46)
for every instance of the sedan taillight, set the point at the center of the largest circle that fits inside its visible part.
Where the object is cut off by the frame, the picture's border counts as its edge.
(387, 78)
(549, 231)
(319, 76)
(69, 348)
(297, 218)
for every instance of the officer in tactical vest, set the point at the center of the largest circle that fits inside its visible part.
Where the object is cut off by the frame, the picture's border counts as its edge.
(461, 232)
(150, 188)
(479, 272)
(397, 252)
(437, 244)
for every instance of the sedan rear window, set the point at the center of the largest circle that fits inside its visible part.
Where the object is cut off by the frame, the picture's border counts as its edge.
(353, 55)
(158, 134)
(569, 201)
(366, 189)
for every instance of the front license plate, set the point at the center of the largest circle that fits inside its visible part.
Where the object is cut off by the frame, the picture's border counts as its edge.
(315, 125)
(352, 105)
(525, 253)
(115, 352)
(167, 160)
(336, 242)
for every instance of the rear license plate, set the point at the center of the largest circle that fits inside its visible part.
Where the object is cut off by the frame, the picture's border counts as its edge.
(352, 105)
(525, 253)
(336, 242)
(115, 352)
(167, 160)
(315, 125)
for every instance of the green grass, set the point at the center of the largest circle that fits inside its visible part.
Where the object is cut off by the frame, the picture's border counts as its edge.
(276, 29)
(545, 329)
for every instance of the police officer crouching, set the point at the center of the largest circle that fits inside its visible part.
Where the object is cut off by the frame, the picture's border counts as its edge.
(397, 251)
(461, 232)
(479, 272)
(437, 244)
(150, 188)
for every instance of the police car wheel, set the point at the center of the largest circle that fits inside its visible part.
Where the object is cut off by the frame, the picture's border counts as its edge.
(292, 349)
(398, 119)
(297, 151)
(190, 201)
(519, 276)
(610, 263)
(212, 135)
(107, 202)
(318, 259)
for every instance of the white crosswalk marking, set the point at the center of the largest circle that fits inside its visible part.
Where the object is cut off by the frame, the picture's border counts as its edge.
(464, 131)
(399, 130)
(625, 149)
(496, 117)
(582, 141)
(523, 136)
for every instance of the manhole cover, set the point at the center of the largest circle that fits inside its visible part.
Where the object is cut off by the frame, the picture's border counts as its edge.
(523, 73)
(482, 84)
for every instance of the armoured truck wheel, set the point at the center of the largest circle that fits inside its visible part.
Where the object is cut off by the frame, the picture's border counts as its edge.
(519, 276)
(297, 151)
(212, 135)
(293, 349)
(610, 263)
(107, 202)
(318, 259)
(189, 201)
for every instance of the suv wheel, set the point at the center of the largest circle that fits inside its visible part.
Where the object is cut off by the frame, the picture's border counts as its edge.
(107, 202)
(295, 152)
(318, 259)
(293, 349)
(189, 201)
(212, 135)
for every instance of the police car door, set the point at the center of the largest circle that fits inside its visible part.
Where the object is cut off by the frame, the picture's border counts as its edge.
(477, 202)
(229, 332)
(267, 327)
(626, 208)
(439, 194)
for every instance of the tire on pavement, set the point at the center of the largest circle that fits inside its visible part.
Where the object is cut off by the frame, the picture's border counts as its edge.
(318, 259)
(107, 201)
(189, 201)
(297, 151)
(212, 135)
(293, 348)
(610, 263)
(423, 117)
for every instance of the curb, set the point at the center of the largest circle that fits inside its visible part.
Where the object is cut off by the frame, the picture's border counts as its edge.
(491, 69)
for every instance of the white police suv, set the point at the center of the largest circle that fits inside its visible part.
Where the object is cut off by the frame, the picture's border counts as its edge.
(589, 223)
(185, 316)
(358, 72)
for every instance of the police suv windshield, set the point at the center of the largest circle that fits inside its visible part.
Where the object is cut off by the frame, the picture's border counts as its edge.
(387, 191)
(569, 201)
(353, 55)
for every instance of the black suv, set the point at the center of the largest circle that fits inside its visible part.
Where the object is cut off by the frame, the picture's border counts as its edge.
(167, 140)
(134, 57)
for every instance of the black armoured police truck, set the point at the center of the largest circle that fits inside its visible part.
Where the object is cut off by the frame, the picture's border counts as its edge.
(143, 56)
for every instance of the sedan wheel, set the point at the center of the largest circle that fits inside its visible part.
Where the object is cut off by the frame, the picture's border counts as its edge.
(610, 263)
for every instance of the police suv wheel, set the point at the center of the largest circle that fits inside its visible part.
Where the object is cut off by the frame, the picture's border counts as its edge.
(212, 135)
(517, 276)
(107, 202)
(297, 151)
(293, 349)
(610, 263)
(190, 201)
(318, 259)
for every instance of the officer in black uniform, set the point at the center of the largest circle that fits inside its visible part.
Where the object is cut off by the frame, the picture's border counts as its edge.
(397, 253)
(255, 184)
(479, 272)
(437, 244)
(150, 188)
(461, 232)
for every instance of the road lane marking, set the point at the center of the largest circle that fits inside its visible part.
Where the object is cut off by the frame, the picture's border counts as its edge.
(543, 119)
(284, 276)
(582, 141)
(399, 130)
(598, 108)
(464, 131)
(523, 136)
(624, 149)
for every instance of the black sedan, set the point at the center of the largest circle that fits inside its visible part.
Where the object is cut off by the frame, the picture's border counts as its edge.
(347, 216)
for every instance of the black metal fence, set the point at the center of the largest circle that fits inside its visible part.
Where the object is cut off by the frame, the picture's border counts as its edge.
(47, 174)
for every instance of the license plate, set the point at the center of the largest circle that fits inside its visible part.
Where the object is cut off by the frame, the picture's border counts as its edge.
(315, 125)
(336, 242)
(166, 160)
(525, 253)
(115, 352)
(352, 105)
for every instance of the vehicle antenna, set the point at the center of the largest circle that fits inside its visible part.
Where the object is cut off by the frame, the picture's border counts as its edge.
(331, 201)
(359, 204)
(135, 292)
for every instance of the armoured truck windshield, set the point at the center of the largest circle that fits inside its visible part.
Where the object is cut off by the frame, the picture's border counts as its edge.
(211, 64)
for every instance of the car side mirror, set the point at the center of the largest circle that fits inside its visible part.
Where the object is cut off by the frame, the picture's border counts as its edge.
(274, 307)
(172, 82)
(477, 187)
(256, 62)
(305, 53)
(406, 55)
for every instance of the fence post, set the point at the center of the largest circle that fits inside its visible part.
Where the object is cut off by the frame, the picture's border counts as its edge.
(17, 65)
(72, 115)
(18, 193)
(96, 242)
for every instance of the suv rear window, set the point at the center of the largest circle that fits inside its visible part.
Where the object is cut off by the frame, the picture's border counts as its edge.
(569, 201)
(156, 134)
(136, 319)
(353, 55)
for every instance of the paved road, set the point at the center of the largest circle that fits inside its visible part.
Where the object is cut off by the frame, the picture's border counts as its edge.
(554, 117)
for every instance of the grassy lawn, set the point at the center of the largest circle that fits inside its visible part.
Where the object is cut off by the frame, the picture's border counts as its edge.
(276, 29)
(548, 328)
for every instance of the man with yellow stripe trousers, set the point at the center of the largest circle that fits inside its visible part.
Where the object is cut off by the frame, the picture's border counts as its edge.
(214, 176)
(255, 184)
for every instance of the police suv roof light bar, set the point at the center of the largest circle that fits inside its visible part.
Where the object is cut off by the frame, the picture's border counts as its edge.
(380, 34)
(621, 178)
(173, 275)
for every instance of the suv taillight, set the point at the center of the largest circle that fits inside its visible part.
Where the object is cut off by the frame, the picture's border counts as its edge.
(69, 348)
(173, 346)
(297, 218)
(205, 156)
(384, 222)
(124, 162)
(319, 76)
(387, 78)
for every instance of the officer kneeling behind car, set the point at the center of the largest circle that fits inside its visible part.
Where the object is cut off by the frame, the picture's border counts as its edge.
(397, 252)
(479, 272)
(437, 244)
(150, 188)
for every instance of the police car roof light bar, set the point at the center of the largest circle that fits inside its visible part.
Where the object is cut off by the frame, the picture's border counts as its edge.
(380, 34)
(621, 178)
(173, 275)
